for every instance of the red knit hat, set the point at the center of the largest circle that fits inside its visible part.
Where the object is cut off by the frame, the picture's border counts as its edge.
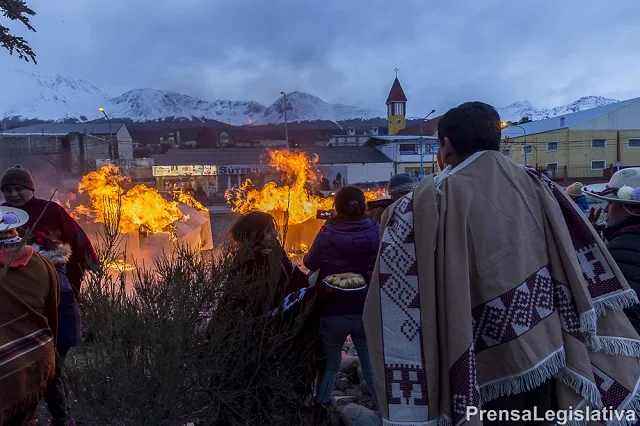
(16, 175)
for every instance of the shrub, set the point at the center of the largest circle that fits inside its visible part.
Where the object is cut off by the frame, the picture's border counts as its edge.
(191, 341)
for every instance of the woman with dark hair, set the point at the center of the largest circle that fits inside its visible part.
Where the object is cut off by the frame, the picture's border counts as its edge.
(347, 243)
(263, 260)
(257, 244)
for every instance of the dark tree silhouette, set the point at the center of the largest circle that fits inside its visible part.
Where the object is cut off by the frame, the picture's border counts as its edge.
(16, 10)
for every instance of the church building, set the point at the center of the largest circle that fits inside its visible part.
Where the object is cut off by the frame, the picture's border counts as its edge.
(396, 108)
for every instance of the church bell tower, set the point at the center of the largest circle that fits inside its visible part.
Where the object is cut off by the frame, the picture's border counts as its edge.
(396, 107)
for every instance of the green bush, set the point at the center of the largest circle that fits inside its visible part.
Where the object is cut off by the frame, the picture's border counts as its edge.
(191, 341)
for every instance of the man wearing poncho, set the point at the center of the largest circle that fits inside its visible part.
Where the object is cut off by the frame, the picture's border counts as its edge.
(491, 291)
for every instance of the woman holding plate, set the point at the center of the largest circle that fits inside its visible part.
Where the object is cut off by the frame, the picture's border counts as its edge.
(344, 255)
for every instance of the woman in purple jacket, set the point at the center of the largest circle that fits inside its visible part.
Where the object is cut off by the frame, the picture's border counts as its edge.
(347, 243)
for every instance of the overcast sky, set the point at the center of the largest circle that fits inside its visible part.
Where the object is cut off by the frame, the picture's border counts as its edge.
(447, 51)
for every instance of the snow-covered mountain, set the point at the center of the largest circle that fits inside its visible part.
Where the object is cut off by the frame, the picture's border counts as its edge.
(34, 96)
(150, 104)
(37, 96)
(306, 107)
(517, 110)
(31, 96)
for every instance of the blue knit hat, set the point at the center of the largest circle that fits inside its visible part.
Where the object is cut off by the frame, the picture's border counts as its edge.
(400, 184)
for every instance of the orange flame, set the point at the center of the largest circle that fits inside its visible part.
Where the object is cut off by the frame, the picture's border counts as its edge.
(142, 209)
(296, 170)
(188, 199)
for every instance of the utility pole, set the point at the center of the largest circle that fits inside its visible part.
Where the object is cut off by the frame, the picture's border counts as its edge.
(113, 147)
(524, 145)
(422, 145)
(286, 129)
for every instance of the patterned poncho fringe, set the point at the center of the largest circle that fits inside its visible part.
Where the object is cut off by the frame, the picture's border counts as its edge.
(490, 282)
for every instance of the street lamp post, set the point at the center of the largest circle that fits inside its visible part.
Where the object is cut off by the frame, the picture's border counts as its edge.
(422, 145)
(524, 146)
(113, 148)
(286, 128)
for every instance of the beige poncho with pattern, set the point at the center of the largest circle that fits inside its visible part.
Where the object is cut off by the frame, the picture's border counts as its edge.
(489, 282)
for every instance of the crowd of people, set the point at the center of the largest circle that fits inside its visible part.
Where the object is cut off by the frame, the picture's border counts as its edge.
(484, 284)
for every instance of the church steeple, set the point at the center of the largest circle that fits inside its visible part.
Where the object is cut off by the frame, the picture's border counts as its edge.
(396, 107)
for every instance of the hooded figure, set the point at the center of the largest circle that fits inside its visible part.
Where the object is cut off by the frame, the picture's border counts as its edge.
(574, 191)
(399, 186)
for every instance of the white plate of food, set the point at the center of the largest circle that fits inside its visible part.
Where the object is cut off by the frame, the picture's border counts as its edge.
(346, 282)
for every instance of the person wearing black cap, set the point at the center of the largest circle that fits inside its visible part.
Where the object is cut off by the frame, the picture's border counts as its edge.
(18, 189)
(399, 186)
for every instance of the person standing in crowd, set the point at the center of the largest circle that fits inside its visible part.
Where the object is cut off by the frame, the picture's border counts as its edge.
(574, 191)
(399, 186)
(256, 240)
(263, 260)
(69, 327)
(19, 191)
(622, 232)
(29, 290)
(487, 285)
(347, 243)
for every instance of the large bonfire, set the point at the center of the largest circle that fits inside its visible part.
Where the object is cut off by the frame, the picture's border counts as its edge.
(141, 209)
(297, 174)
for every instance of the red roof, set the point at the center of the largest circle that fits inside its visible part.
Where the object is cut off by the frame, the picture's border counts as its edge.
(429, 128)
(396, 94)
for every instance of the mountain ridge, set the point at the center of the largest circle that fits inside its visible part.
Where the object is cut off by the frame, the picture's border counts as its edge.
(35, 96)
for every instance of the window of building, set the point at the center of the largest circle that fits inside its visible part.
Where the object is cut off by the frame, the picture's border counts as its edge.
(599, 144)
(552, 146)
(506, 152)
(529, 149)
(389, 110)
(409, 149)
(415, 172)
(598, 165)
(634, 143)
(399, 109)
(552, 167)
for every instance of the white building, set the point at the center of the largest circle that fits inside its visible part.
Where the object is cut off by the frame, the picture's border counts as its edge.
(409, 154)
(352, 138)
(69, 148)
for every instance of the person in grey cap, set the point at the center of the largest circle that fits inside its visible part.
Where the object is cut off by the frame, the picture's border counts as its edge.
(399, 186)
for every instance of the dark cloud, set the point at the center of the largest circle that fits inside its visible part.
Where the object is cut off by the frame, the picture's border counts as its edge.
(548, 52)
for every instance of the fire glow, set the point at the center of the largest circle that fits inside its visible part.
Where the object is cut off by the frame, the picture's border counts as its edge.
(142, 209)
(297, 171)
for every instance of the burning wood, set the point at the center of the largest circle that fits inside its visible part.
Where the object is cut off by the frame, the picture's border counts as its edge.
(188, 199)
(293, 197)
(120, 266)
(142, 209)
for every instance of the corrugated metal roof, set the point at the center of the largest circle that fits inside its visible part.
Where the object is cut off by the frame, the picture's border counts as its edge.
(65, 129)
(251, 156)
(570, 120)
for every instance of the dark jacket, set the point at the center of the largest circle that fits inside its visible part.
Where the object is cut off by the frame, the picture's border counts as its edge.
(582, 202)
(56, 220)
(289, 278)
(69, 319)
(624, 246)
(344, 246)
(376, 209)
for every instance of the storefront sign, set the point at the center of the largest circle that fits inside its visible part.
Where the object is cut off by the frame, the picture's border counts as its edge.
(163, 171)
(251, 169)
